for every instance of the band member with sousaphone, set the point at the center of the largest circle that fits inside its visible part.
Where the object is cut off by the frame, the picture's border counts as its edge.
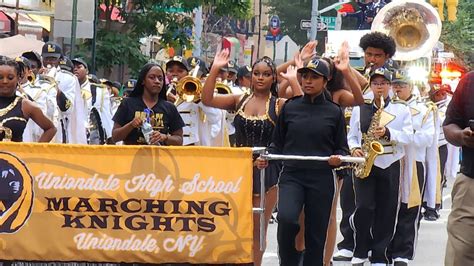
(147, 105)
(379, 129)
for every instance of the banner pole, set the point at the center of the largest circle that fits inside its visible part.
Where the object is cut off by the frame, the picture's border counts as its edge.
(262, 208)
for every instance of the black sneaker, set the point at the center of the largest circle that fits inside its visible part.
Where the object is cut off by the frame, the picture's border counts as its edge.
(430, 215)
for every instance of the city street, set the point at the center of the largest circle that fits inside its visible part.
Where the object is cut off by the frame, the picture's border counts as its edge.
(431, 242)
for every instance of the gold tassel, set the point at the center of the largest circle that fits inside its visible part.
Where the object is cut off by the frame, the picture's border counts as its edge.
(414, 198)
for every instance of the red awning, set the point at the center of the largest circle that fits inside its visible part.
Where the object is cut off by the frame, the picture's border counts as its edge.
(5, 23)
(115, 14)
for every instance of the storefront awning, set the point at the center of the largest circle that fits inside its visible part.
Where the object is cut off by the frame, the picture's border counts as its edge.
(44, 21)
(5, 24)
(18, 44)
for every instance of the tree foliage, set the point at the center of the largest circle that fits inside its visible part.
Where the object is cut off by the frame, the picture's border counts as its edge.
(118, 43)
(458, 36)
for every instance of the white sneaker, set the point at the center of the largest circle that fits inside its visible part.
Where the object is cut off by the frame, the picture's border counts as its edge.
(356, 260)
(343, 255)
(401, 260)
(378, 264)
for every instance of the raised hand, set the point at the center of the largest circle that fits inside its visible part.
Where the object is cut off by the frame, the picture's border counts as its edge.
(221, 59)
(308, 51)
(341, 62)
(291, 73)
(298, 61)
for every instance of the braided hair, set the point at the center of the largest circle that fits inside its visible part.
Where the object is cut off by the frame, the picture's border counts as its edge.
(269, 62)
(19, 68)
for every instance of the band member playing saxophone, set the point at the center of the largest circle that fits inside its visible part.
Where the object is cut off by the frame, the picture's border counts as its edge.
(378, 131)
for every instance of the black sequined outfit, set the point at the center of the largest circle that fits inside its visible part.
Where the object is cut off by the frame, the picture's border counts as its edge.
(12, 118)
(256, 131)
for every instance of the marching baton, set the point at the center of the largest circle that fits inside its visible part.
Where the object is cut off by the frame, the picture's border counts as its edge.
(346, 159)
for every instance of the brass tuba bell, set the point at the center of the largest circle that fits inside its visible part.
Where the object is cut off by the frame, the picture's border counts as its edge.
(414, 25)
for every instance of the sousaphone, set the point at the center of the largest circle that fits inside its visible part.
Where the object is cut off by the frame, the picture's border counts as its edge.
(414, 24)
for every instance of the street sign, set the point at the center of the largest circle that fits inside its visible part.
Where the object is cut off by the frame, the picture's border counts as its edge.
(330, 22)
(305, 24)
(322, 26)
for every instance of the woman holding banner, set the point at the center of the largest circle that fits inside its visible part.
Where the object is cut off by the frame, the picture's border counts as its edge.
(308, 125)
(15, 110)
(146, 117)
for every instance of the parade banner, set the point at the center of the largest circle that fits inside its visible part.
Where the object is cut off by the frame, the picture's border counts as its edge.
(139, 204)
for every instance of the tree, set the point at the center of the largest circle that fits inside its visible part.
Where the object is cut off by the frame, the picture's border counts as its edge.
(458, 35)
(118, 43)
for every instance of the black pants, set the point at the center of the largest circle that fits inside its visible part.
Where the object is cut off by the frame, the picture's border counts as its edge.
(374, 219)
(443, 157)
(406, 234)
(347, 201)
(313, 189)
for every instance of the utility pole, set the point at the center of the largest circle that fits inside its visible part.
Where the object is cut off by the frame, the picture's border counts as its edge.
(314, 20)
(73, 28)
(16, 16)
(94, 38)
(198, 24)
(339, 19)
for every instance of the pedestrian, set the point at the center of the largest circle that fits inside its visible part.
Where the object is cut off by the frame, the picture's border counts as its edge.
(459, 130)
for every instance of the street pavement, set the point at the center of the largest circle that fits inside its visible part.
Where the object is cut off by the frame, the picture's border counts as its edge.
(430, 248)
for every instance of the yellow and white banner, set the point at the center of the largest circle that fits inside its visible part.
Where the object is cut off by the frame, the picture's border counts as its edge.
(137, 204)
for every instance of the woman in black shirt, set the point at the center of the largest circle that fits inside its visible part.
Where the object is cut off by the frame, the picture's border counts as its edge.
(307, 125)
(15, 110)
(147, 103)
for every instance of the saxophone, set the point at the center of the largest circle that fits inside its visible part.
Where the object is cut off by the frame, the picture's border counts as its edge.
(371, 146)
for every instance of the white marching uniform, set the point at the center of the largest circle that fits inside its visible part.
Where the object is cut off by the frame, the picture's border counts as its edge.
(102, 104)
(401, 133)
(423, 137)
(377, 197)
(202, 123)
(43, 93)
(72, 119)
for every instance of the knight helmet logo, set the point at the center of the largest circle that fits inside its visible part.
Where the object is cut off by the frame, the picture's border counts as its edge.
(51, 48)
(16, 193)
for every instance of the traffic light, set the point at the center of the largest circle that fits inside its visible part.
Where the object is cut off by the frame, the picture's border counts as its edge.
(452, 8)
(439, 5)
